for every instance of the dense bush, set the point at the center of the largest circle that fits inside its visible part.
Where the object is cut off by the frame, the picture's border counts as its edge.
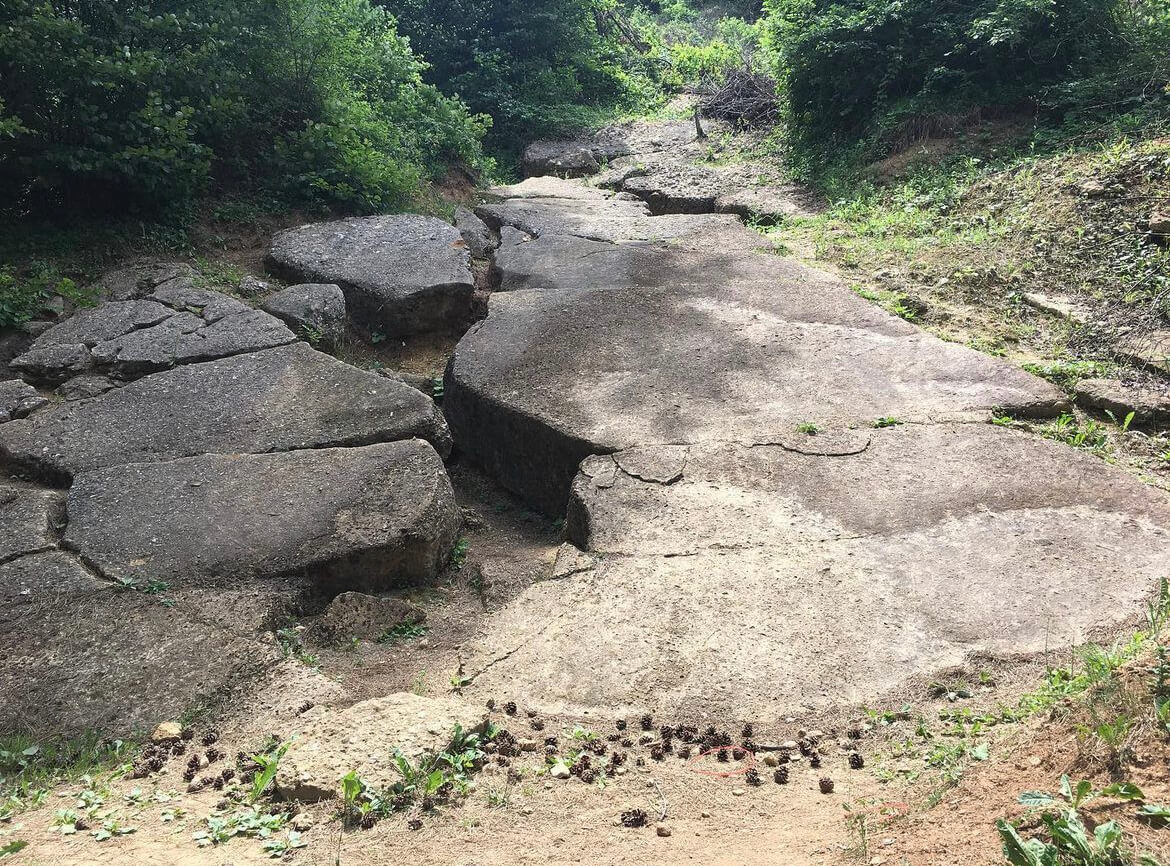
(536, 68)
(146, 104)
(857, 69)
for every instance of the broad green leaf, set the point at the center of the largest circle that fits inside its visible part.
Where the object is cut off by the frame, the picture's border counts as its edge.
(1123, 791)
(1037, 799)
(1017, 851)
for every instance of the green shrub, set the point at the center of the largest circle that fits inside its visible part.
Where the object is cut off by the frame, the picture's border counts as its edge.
(146, 104)
(538, 69)
(877, 70)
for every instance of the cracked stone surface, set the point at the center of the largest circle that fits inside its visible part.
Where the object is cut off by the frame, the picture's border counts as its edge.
(276, 400)
(18, 399)
(178, 323)
(349, 518)
(552, 377)
(363, 738)
(79, 655)
(401, 275)
(29, 519)
(656, 379)
(760, 581)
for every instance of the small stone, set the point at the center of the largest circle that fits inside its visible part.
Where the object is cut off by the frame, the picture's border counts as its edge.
(1160, 223)
(704, 814)
(302, 822)
(662, 829)
(559, 771)
(1092, 188)
(771, 761)
(737, 792)
(167, 732)
(528, 745)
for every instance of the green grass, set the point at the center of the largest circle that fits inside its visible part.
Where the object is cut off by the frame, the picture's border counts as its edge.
(30, 767)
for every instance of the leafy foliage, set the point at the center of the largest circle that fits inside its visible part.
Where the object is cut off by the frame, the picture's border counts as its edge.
(110, 104)
(1069, 842)
(536, 68)
(895, 69)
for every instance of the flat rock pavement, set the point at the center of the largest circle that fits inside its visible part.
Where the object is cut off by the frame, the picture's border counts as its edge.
(782, 499)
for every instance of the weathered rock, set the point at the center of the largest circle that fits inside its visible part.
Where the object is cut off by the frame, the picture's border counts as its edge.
(315, 311)
(1151, 348)
(767, 203)
(824, 580)
(1159, 223)
(401, 275)
(138, 281)
(84, 387)
(52, 364)
(178, 324)
(90, 658)
(549, 378)
(475, 233)
(368, 617)
(1065, 308)
(562, 159)
(48, 577)
(690, 190)
(594, 215)
(276, 400)
(362, 738)
(1149, 404)
(18, 399)
(364, 518)
(29, 519)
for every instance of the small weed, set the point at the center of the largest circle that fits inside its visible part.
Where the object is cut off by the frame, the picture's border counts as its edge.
(419, 685)
(1091, 435)
(403, 631)
(808, 428)
(249, 821)
(291, 641)
(459, 553)
(267, 763)
(886, 422)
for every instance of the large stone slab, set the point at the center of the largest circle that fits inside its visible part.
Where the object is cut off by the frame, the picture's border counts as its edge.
(594, 215)
(760, 582)
(276, 400)
(29, 519)
(401, 275)
(349, 518)
(363, 738)
(179, 323)
(551, 377)
(87, 657)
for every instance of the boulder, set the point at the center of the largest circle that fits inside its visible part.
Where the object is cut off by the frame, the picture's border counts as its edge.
(401, 275)
(364, 737)
(1149, 404)
(315, 311)
(277, 400)
(740, 581)
(475, 233)
(559, 158)
(30, 519)
(138, 281)
(347, 518)
(18, 399)
(552, 377)
(366, 617)
(178, 324)
(1159, 223)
